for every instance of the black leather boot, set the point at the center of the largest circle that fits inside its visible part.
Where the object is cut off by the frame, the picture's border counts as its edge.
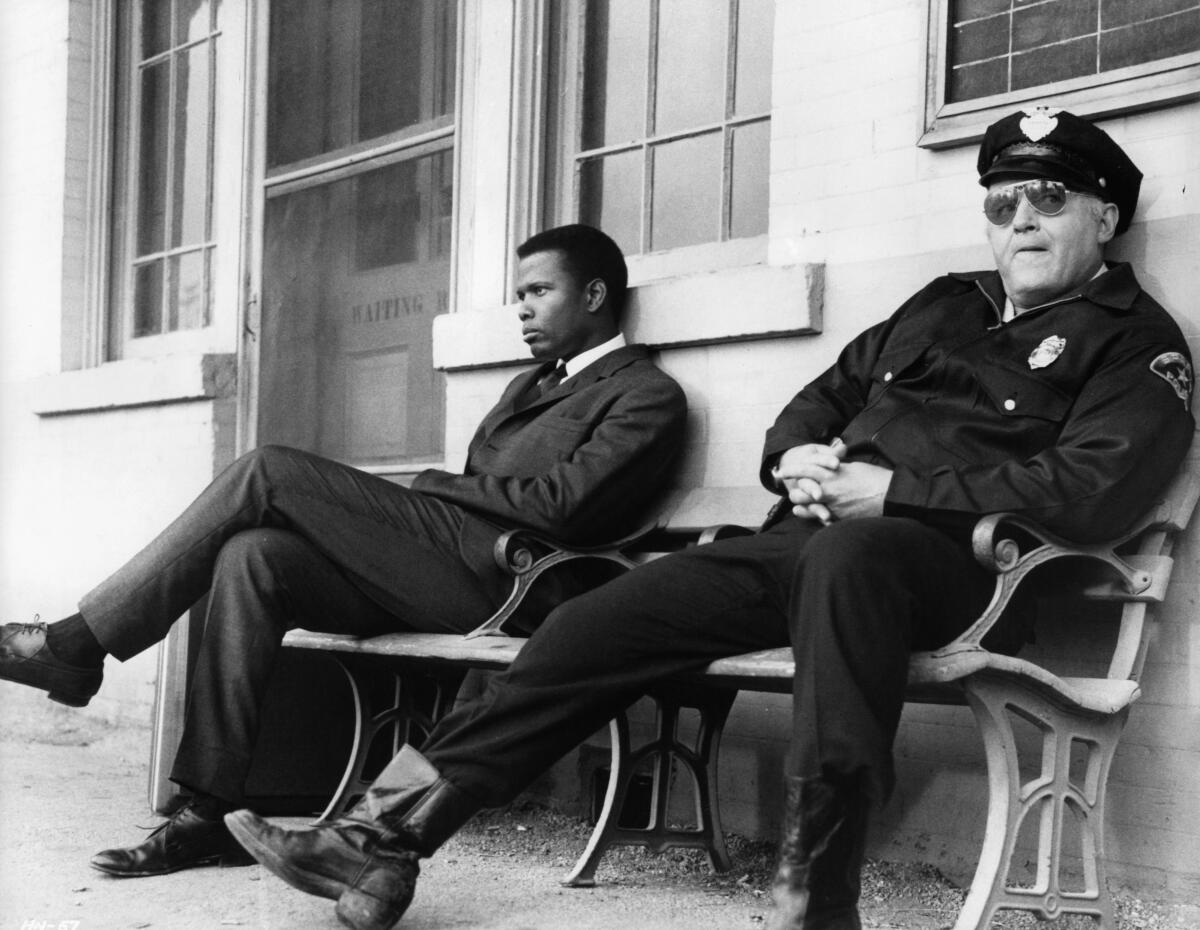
(367, 860)
(818, 880)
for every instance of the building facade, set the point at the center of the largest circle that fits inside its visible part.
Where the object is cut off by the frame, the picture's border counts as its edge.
(231, 222)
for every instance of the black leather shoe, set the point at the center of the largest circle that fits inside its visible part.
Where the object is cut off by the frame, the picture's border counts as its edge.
(26, 658)
(183, 842)
(371, 879)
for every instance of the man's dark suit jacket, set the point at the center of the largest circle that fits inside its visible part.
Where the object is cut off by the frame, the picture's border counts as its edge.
(581, 463)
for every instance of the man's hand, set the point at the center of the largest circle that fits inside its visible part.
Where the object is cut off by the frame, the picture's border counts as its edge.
(822, 486)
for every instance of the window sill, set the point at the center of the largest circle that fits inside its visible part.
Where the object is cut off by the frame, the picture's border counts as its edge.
(755, 302)
(1130, 90)
(136, 383)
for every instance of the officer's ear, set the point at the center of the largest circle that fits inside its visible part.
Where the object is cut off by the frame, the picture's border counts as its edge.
(1109, 214)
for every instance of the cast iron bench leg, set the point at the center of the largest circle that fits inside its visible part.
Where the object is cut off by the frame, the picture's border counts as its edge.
(1051, 795)
(699, 760)
(418, 701)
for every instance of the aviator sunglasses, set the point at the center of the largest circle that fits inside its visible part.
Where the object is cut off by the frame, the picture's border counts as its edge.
(1049, 198)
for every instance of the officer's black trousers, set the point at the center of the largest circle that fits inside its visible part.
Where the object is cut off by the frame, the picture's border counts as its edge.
(282, 539)
(852, 599)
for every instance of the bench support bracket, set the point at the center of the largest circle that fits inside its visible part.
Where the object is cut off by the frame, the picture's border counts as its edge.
(698, 759)
(1070, 785)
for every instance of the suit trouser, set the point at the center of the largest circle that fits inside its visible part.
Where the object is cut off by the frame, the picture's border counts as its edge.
(282, 539)
(852, 599)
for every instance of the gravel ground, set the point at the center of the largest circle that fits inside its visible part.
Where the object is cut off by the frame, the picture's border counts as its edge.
(70, 786)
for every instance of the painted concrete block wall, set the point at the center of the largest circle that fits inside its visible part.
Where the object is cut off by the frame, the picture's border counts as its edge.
(80, 492)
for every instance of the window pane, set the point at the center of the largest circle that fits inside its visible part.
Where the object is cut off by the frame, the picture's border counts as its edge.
(147, 299)
(188, 297)
(442, 166)
(192, 125)
(388, 216)
(192, 20)
(752, 90)
(389, 97)
(614, 90)
(1040, 26)
(687, 192)
(350, 288)
(1051, 63)
(749, 202)
(1171, 35)
(691, 64)
(156, 27)
(152, 164)
(610, 197)
(385, 66)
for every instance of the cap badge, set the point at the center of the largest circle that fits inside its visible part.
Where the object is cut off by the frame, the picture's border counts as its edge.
(1173, 368)
(1047, 351)
(1039, 123)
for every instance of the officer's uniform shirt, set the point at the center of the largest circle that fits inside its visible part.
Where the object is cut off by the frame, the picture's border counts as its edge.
(1073, 413)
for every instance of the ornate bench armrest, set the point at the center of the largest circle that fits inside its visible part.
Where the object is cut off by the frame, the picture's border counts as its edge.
(1012, 547)
(526, 555)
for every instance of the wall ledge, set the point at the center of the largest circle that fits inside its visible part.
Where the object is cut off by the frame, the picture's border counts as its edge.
(136, 383)
(731, 305)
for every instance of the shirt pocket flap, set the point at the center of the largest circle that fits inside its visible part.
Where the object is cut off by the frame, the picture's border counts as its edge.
(1017, 393)
(894, 361)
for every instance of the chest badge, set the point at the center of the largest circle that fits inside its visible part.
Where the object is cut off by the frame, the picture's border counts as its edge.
(1047, 351)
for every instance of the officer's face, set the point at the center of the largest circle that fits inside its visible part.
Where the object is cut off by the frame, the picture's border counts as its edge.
(559, 319)
(1042, 258)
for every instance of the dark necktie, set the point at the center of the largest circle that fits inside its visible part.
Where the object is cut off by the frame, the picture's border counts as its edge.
(547, 382)
(553, 379)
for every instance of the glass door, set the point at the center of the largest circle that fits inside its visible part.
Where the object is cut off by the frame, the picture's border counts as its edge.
(356, 240)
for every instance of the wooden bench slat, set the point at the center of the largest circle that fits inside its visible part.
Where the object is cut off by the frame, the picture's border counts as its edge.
(447, 648)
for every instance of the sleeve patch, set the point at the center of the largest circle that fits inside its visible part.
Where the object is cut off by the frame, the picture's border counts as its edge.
(1175, 369)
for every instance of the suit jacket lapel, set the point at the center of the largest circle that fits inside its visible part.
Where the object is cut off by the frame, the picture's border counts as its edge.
(507, 406)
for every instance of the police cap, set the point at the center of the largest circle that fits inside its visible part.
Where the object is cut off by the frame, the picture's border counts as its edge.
(1049, 143)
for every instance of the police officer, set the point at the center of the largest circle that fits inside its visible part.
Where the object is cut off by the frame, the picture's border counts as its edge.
(1053, 387)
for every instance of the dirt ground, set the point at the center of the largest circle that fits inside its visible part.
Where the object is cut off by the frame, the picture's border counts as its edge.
(70, 786)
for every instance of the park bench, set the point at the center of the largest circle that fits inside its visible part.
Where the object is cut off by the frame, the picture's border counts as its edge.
(1080, 718)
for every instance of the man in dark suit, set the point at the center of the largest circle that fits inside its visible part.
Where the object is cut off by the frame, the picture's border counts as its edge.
(576, 448)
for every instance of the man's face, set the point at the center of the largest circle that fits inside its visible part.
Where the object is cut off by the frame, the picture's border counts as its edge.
(558, 317)
(1042, 258)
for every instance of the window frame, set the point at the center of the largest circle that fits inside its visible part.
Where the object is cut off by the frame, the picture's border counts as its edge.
(563, 170)
(1111, 93)
(88, 305)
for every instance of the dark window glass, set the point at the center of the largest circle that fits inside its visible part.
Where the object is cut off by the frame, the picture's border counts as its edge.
(343, 74)
(997, 46)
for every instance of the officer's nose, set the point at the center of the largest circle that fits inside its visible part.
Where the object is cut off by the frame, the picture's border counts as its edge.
(1026, 217)
(524, 312)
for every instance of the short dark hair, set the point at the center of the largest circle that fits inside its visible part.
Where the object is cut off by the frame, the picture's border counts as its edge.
(589, 254)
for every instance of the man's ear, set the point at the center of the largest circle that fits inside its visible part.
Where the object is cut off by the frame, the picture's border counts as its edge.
(1109, 214)
(595, 292)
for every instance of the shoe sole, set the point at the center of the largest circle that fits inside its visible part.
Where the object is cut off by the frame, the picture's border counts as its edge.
(118, 873)
(301, 879)
(227, 860)
(69, 697)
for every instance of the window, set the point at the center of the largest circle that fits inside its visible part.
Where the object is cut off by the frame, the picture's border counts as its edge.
(1093, 57)
(357, 228)
(655, 167)
(161, 271)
